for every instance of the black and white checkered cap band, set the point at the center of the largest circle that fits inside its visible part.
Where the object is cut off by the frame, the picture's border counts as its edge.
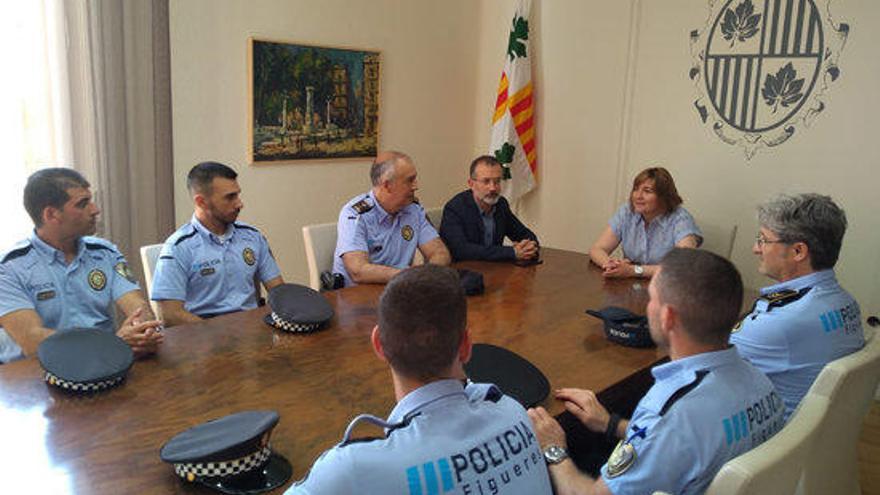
(82, 387)
(291, 326)
(223, 469)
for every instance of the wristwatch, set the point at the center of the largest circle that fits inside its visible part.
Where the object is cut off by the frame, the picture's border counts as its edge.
(555, 454)
(639, 270)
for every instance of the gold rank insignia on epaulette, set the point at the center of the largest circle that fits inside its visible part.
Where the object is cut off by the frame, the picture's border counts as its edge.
(362, 206)
(782, 297)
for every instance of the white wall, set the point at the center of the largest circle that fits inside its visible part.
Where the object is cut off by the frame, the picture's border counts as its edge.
(594, 136)
(427, 86)
(612, 97)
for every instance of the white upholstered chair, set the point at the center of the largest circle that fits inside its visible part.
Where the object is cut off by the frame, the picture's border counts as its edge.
(849, 384)
(718, 239)
(149, 257)
(320, 244)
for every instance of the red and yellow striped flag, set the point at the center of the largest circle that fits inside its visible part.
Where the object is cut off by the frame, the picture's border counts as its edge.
(513, 124)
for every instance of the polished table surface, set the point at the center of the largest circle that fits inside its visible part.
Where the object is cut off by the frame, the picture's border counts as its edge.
(53, 442)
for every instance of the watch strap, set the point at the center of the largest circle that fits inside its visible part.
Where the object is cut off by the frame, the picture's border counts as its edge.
(611, 429)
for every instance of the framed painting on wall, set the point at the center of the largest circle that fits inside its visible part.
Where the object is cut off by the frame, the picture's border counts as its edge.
(311, 102)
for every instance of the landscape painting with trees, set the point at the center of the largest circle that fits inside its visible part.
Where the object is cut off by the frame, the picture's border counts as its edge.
(312, 102)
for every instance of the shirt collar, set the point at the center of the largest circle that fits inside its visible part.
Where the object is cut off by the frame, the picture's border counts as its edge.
(658, 220)
(381, 211)
(702, 361)
(424, 396)
(802, 282)
(52, 254)
(482, 213)
(214, 237)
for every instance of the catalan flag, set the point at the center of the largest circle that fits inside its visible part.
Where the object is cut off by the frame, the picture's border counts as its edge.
(513, 124)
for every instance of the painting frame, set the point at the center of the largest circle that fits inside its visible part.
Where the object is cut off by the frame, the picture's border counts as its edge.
(311, 102)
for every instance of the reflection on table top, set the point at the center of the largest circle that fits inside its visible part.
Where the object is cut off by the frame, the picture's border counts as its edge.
(109, 443)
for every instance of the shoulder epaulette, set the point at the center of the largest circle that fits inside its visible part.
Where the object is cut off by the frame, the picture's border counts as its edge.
(781, 298)
(98, 246)
(16, 253)
(185, 237)
(246, 227)
(362, 206)
(683, 391)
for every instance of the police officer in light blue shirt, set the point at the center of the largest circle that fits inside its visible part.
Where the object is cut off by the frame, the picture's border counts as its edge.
(443, 436)
(60, 278)
(210, 265)
(706, 406)
(378, 232)
(807, 319)
(647, 227)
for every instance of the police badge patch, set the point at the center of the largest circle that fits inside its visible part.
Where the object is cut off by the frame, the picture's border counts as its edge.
(248, 255)
(621, 459)
(97, 279)
(124, 271)
(407, 232)
(761, 68)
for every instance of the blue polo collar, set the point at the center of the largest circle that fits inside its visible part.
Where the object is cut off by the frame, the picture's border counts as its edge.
(702, 361)
(802, 282)
(424, 396)
(210, 235)
(50, 253)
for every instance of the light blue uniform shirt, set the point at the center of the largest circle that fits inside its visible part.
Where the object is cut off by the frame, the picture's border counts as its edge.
(792, 340)
(702, 411)
(213, 275)
(389, 240)
(648, 246)
(440, 438)
(34, 275)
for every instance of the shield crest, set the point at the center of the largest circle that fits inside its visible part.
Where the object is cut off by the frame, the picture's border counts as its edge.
(761, 67)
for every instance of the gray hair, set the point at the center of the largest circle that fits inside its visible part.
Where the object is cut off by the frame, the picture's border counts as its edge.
(384, 166)
(810, 218)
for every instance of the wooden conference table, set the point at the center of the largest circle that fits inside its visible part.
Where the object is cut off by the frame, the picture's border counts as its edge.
(51, 442)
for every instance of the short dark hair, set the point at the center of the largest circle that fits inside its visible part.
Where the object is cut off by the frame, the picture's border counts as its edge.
(707, 291)
(485, 160)
(810, 218)
(664, 187)
(422, 319)
(201, 176)
(48, 187)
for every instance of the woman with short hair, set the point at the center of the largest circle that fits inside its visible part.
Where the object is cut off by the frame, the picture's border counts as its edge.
(647, 227)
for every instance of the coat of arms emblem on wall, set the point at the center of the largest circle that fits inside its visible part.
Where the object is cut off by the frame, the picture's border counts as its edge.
(762, 67)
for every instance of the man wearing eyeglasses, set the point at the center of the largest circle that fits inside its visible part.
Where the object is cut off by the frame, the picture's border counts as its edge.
(476, 221)
(806, 319)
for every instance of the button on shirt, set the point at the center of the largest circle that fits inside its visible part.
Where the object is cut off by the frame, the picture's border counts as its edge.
(728, 408)
(389, 240)
(213, 275)
(442, 438)
(791, 343)
(488, 218)
(648, 246)
(35, 275)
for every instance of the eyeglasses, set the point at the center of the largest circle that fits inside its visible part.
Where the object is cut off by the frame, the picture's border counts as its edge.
(760, 241)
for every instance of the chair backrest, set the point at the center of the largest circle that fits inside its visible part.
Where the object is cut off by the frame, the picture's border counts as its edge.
(320, 244)
(149, 257)
(435, 215)
(718, 239)
(849, 384)
(775, 466)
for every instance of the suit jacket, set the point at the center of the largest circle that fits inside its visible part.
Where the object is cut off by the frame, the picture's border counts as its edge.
(462, 230)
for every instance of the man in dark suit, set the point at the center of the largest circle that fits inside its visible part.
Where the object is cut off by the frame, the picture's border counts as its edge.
(476, 221)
